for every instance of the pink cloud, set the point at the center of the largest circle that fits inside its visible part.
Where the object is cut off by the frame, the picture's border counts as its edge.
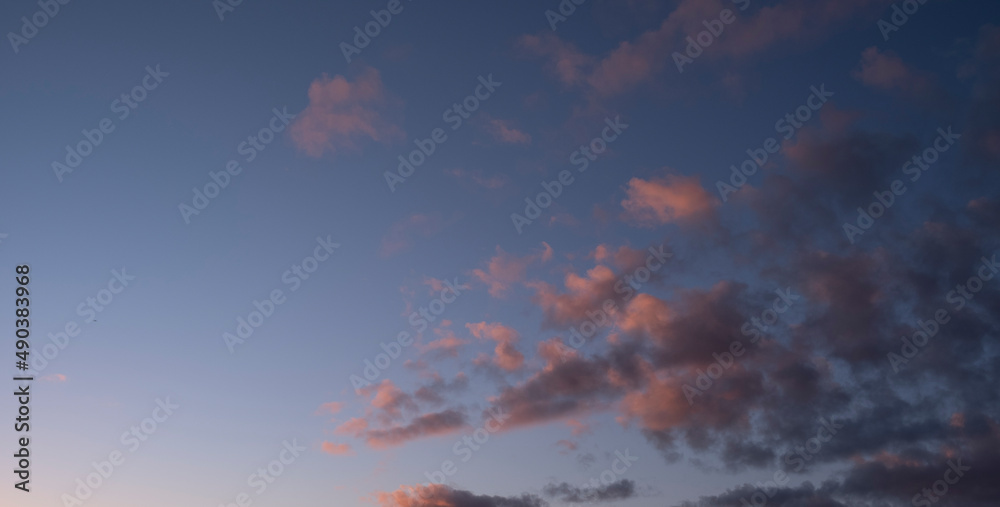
(579, 428)
(672, 199)
(448, 344)
(337, 449)
(58, 377)
(506, 356)
(354, 427)
(504, 270)
(340, 114)
(330, 408)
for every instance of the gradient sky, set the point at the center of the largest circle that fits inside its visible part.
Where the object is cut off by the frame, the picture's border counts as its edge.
(833, 356)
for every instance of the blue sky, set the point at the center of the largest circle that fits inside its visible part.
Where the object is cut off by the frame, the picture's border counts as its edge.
(501, 344)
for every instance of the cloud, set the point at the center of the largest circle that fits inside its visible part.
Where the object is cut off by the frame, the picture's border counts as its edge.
(618, 490)
(330, 408)
(437, 423)
(886, 71)
(401, 234)
(342, 114)
(354, 426)
(793, 23)
(447, 345)
(506, 355)
(439, 495)
(672, 199)
(504, 270)
(58, 377)
(337, 449)
(503, 132)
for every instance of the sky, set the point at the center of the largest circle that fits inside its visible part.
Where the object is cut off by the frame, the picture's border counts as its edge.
(647, 253)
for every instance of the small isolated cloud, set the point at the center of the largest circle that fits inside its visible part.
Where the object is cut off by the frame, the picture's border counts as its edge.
(566, 446)
(58, 377)
(330, 408)
(503, 132)
(337, 449)
(341, 114)
(402, 234)
(887, 71)
(672, 199)
(579, 428)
